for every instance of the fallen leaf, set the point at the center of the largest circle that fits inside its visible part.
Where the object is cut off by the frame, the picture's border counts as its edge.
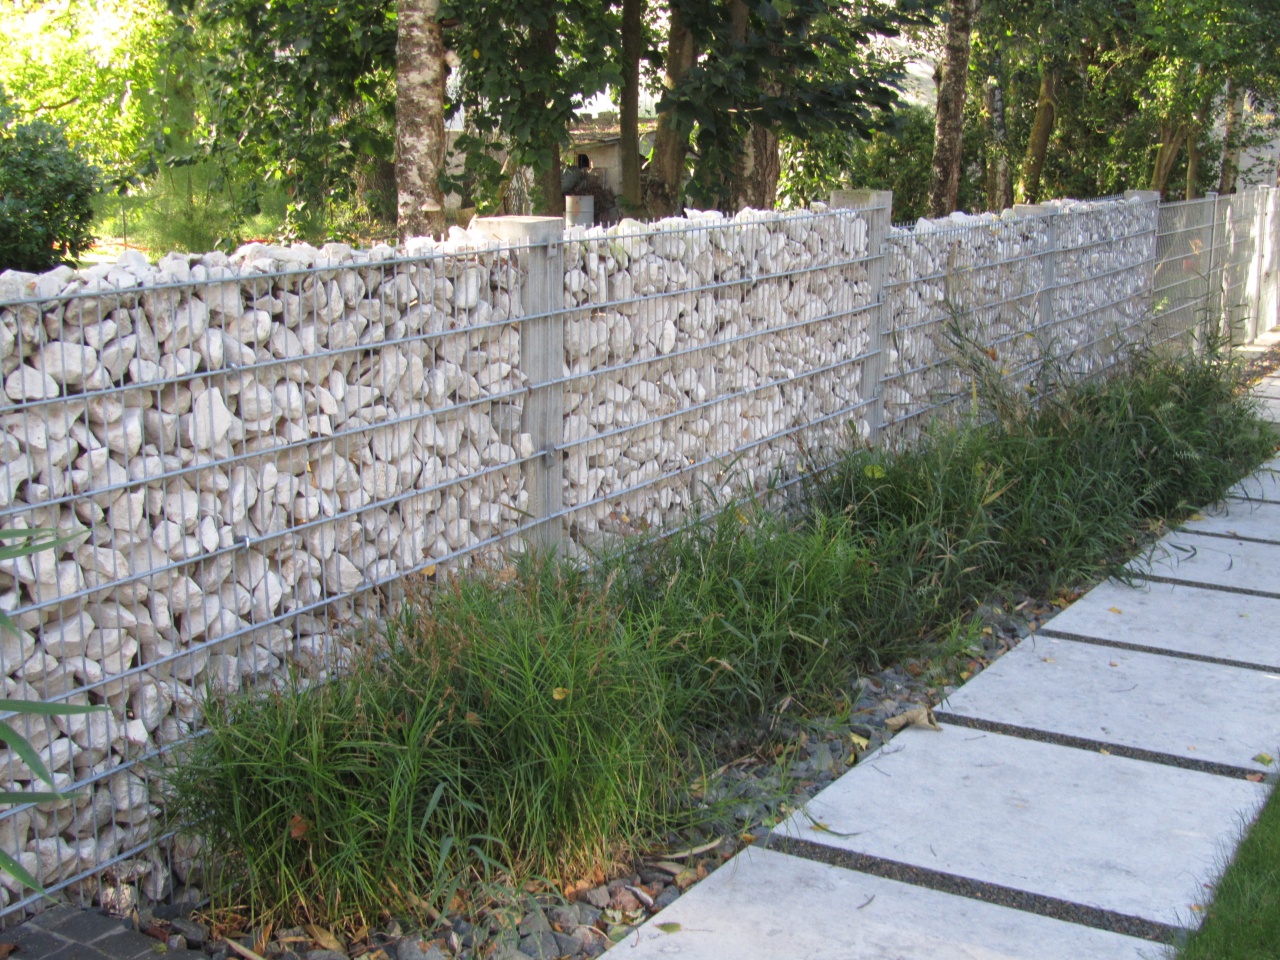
(1114, 664)
(965, 674)
(874, 471)
(430, 570)
(1255, 777)
(297, 829)
(668, 927)
(559, 693)
(685, 879)
(1198, 907)
(6, 949)
(915, 717)
(1196, 516)
(1048, 660)
(1265, 759)
(860, 742)
(325, 938)
(1114, 610)
(506, 574)
(1105, 751)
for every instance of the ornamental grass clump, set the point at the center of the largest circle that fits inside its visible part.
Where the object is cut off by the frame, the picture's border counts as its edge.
(549, 720)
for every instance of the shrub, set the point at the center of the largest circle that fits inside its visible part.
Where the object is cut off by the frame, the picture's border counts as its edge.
(46, 194)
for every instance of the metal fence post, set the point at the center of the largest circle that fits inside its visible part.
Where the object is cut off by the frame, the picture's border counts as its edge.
(1210, 260)
(1152, 197)
(1048, 260)
(877, 207)
(1269, 260)
(1256, 273)
(540, 243)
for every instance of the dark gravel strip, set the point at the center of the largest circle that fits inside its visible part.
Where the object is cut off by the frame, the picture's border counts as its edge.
(1097, 746)
(1162, 651)
(1036, 903)
(1233, 536)
(1178, 581)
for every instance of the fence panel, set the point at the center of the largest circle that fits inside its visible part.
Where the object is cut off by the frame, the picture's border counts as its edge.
(251, 454)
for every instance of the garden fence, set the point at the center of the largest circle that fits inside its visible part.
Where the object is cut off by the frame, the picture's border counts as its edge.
(251, 453)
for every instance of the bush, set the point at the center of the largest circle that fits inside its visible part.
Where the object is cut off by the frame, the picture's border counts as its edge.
(46, 195)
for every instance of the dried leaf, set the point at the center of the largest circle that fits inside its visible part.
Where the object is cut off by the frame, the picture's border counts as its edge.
(506, 574)
(1114, 664)
(6, 949)
(1255, 777)
(1114, 610)
(298, 827)
(1265, 759)
(559, 693)
(325, 938)
(861, 743)
(1048, 660)
(915, 717)
(429, 570)
(685, 879)
(668, 927)
(472, 718)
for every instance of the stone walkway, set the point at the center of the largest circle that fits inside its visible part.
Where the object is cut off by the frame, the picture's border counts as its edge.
(1083, 795)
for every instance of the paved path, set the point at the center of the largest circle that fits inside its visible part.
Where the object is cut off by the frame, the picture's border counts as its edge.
(1085, 790)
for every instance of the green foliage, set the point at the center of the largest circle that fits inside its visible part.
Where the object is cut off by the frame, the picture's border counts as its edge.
(544, 719)
(88, 66)
(806, 66)
(46, 194)
(897, 158)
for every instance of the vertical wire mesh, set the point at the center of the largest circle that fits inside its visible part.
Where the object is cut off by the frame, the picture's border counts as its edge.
(253, 455)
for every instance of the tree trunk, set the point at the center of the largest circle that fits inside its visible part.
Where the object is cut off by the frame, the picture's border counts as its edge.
(629, 145)
(1171, 137)
(948, 134)
(755, 177)
(552, 203)
(1231, 140)
(1041, 131)
(1193, 162)
(755, 174)
(1000, 184)
(671, 143)
(420, 137)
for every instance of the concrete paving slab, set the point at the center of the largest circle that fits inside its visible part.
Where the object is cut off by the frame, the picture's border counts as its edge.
(1214, 561)
(1269, 408)
(766, 905)
(1108, 832)
(1178, 618)
(1262, 485)
(1253, 519)
(1183, 708)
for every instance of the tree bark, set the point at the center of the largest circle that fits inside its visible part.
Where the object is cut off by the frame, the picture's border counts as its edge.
(1171, 137)
(755, 174)
(1193, 163)
(1000, 184)
(948, 134)
(552, 202)
(1231, 140)
(632, 48)
(420, 137)
(1041, 131)
(671, 143)
(755, 177)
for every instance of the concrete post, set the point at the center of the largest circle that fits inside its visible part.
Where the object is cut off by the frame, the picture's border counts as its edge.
(539, 242)
(877, 208)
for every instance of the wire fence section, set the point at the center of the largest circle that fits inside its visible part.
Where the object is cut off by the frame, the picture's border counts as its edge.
(250, 454)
